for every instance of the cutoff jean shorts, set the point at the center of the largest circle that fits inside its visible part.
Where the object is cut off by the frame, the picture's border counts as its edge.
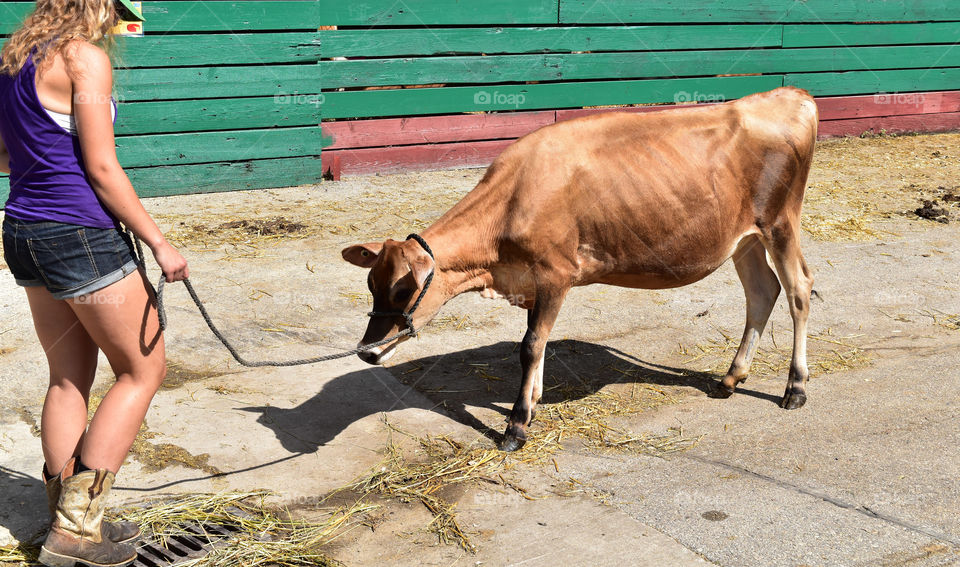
(69, 260)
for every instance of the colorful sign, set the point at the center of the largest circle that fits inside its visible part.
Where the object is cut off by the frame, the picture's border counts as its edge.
(129, 28)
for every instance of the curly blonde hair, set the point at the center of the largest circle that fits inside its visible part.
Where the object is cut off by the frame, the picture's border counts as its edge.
(52, 26)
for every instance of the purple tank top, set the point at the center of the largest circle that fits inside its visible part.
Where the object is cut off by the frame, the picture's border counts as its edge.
(48, 181)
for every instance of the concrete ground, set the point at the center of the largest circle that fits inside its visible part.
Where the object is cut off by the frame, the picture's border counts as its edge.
(867, 473)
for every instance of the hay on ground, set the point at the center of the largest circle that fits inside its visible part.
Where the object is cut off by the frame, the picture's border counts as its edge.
(449, 462)
(826, 354)
(262, 537)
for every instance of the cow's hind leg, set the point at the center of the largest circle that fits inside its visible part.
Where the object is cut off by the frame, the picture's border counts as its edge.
(797, 283)
(540, 320)
(761, 288)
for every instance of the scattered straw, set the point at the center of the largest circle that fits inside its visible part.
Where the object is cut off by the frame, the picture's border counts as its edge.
(449, 462)
(826, 354)
(942, 319)
(262, 537)
(211, 231)
(454, 322)
(20, 554)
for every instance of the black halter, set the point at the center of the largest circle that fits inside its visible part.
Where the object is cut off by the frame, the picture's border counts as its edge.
(408, 315)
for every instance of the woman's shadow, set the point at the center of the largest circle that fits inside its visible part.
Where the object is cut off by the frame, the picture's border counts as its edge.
(483, 377)
(23, 506)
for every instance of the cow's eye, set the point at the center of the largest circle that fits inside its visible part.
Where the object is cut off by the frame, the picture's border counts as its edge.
(403, 295)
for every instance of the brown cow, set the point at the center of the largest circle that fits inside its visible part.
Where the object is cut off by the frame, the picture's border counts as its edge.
(653, 200)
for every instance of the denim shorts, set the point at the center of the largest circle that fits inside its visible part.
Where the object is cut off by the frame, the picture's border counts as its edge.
(67, 259)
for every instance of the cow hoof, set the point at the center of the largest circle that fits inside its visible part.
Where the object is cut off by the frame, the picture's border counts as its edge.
(793, 400)
(720, 390)
(513, 439)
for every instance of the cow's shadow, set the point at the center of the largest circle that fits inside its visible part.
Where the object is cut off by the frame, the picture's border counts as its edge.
(454, 383)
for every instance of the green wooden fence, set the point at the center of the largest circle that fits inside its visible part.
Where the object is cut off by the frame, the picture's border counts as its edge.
(228, 95)
(206, 110)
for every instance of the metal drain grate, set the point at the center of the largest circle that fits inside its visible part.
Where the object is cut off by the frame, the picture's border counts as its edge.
(195, 543)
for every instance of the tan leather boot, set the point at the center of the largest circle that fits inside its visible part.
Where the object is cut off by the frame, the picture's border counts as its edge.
(76, 536)
(117, 532)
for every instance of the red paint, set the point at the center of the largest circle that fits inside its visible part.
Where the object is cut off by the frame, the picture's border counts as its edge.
(433, 129)
(892, 104)
(475, 140)
(413, 158)
(941, 122)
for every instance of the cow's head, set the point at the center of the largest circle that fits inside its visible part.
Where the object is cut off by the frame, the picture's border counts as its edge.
(398, 273)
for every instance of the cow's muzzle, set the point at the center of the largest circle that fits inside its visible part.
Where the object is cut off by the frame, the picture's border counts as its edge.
(380, 354)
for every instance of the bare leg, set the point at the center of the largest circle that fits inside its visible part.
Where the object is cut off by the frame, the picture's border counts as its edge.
(797, 283)
(122, 320)
(540, 321)
(761, 288)
(72, 359)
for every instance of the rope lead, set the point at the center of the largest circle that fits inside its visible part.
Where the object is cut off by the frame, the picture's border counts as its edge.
(407, 315)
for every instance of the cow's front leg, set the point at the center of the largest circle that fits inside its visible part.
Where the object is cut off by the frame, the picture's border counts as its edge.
(540, 320)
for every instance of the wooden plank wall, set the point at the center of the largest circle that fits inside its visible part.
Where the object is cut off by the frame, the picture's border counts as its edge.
(224, 95)
(217, 96)
(523, 65)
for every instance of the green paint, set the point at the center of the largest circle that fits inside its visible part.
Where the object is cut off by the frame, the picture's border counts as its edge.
(519, 68)
(217, 114)
(216, 177)
(810, 35)
(215, 82)
(869, 82)
(180, 149)
(433, 13)
(404, 102)
(759, 11)
(498, 40)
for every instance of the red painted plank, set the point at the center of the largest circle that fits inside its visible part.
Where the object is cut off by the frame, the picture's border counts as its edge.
(414, 158)
(433, 129)
(943, 122)
(888, 104)
(444, 142)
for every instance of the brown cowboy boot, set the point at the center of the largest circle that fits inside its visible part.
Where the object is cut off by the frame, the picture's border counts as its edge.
(76, 536)
(117, 532)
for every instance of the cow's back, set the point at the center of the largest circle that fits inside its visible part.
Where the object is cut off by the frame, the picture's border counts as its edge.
(656, 199)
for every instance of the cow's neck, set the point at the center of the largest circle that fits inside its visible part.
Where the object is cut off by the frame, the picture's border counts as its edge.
(465, 241)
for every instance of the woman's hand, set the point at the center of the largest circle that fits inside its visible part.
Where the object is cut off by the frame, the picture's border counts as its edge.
(172, 264)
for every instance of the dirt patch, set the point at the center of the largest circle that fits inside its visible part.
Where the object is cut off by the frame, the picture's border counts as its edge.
(205, 231)
(178, 375)
(859, 188)
(265, 227)
(156, 457)
(26, 416)
(930, 211)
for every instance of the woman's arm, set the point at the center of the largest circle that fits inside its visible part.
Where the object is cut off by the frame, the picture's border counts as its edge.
(92, 77)
(4, 158)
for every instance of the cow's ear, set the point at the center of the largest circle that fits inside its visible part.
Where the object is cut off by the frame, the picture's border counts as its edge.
(363, 255)
(420, 268)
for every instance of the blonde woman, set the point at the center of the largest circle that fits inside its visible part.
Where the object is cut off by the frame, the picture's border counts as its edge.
(64, 243)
